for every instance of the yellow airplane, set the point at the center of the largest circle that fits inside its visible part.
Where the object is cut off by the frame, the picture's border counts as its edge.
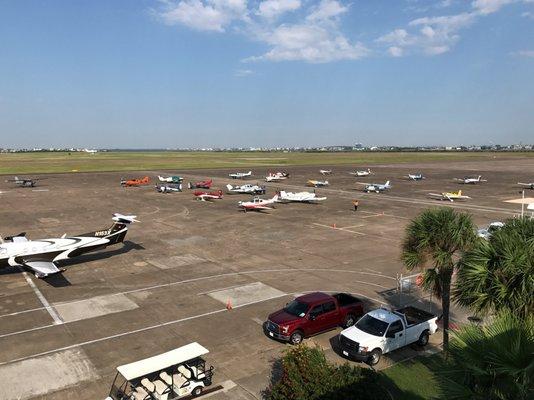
(450, 196)
(313, 183)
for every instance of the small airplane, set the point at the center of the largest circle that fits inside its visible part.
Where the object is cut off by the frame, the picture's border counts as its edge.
(206, 184)
(470, 179)
(375, 187)
(366, 172)
(170, 179)
(91, 151)
(277, 176)
(300, 197)
(24, 182)
(169, 188)
(208, 196)
(135, 182)
(325, 172)
(240, 175)
(40, 256)
(313, 183)
(450, 196)
(527, 185)
(257, 204)
(415, 177)
(246, 189)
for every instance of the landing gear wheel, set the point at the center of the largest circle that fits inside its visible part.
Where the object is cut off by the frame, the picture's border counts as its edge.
(374, 357)
(296, 338)
(349, 321)
(423, 339)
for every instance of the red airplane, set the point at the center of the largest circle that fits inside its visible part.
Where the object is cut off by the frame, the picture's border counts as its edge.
(203, 196)
(135, 182)
(201, 185)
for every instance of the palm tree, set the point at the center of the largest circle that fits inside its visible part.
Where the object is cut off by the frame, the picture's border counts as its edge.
(434, 242)
(493, 362)
(498, 274)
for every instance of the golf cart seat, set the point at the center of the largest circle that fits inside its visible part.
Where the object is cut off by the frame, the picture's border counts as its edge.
(162, 390)
(165, 377)
(140, 394)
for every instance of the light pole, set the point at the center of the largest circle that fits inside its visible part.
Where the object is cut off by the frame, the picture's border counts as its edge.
(523, 203)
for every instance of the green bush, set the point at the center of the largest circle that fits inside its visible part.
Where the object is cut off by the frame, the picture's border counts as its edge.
(305, 374)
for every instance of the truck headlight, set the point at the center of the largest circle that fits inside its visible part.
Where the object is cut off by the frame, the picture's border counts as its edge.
(363, 349)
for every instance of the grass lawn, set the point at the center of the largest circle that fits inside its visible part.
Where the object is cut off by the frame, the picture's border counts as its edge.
(34, 163)
(413, 379)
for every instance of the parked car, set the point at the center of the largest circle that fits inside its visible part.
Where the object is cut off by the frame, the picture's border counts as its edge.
(493, 227)
(172, 375)
(311, 314)
(382, 331)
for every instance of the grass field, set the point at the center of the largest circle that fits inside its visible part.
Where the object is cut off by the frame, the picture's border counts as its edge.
(34, 163)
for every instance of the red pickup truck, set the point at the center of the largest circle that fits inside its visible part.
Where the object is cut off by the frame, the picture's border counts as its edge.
(311, 314)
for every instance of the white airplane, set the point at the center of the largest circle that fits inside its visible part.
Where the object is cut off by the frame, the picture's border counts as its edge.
(240, 175)
(375, 187)
(366, 172)
(415, 177)
(91, 151)
(313, 183)
(257, 204)
(246, 189)
(40, 256)
(470, 179)
(325, 172)
(170, 179)
(302, 197)
(169, 188)
(24, 182)
(277, 176)
(527, 185)
(450, 196)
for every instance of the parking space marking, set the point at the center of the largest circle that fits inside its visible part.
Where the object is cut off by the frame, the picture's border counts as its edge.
(46, 305)
(339, 229)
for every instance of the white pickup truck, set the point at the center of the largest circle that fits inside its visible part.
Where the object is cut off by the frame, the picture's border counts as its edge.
(382, 331)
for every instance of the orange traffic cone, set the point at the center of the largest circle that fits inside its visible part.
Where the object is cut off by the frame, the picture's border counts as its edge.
(229, 304)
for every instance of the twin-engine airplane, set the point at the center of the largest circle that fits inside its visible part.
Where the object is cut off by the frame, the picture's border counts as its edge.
(527, 185)
(171, 179)
(470, 180)
(24, 182)
(277, 176)
(300, 197)
(40, 256)
(135, 182)
(257, 204)
(415, 177)
(206, 184)
(246, 189)
(240, 175)
(450, 196)
(375, 187)
(208, 196)
(325, 172)
(366, 172)
(313, 183)
(169, 188)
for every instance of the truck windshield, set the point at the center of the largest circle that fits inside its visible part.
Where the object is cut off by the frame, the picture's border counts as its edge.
(372, 326)
(297, 308)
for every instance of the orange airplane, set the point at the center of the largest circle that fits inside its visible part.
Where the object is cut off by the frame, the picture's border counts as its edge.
(135, 182)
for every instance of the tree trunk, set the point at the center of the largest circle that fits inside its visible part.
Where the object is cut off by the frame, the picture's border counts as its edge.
(445, 306)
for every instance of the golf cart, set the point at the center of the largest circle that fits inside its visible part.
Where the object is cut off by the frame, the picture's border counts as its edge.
(173, 375)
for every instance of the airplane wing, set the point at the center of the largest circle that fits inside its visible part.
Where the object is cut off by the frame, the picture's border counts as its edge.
(42, 268)
(437, 196)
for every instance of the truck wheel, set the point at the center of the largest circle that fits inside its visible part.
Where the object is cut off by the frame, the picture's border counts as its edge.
(349, 321)
(197, 391)
(374, 357)
(423, 339)
(296, 337)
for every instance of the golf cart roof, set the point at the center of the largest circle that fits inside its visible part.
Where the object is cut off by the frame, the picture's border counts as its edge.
(161, 361)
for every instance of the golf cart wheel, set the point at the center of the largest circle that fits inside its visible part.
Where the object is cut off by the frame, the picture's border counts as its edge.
(296, 338)
(197, 391)
(349, 321)
(423, 339)
(374, 357)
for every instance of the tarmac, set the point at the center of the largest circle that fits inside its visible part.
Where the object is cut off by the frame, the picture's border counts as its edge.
(207, 272)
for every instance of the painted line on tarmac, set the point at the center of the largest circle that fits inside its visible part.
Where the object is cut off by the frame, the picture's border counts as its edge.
(169, 284)
(163, 324)
(339, 229)
(46, 305)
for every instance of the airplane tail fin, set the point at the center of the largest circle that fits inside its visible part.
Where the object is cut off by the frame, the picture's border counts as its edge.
(459, 192)
(116, 232)
(229, 187)
(387, 183)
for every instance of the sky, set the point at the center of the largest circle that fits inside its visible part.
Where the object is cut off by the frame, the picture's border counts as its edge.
(221, 73)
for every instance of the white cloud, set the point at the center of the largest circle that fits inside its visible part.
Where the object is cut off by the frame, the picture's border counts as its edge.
(326, 10)
(208, 15)
(241, 73)
(486, 7)
(271, 9)
(524, 53)
(528, 14)
(395, 51)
